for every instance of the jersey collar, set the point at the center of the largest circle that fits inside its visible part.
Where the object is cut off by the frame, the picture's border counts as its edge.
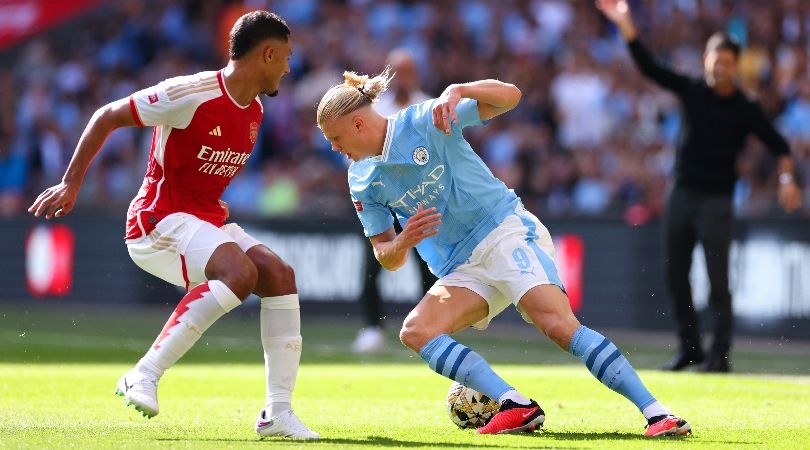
(389, 136)
(221, 78)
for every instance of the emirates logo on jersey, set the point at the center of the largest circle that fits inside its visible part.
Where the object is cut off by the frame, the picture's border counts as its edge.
(254, 132)
(221, 162)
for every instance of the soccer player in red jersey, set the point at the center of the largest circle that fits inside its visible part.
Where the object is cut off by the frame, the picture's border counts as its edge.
(205, 128)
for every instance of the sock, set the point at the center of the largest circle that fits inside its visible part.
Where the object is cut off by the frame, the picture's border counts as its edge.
(515, 396)
(455, 361)
(200, 308)
(280, 319)
(656, 409)
(609, 366)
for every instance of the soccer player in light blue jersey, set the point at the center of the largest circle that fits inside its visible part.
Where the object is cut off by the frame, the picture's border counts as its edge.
(474, 234)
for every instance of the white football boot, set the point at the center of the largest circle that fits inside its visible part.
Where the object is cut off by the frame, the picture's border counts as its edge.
(285, 424)
(139, 390)
(369, 340)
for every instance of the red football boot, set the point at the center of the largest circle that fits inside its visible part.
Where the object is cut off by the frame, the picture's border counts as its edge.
(667, 426)
(514, 418)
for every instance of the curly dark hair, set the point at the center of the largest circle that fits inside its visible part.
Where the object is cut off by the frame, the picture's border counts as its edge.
(254, 27)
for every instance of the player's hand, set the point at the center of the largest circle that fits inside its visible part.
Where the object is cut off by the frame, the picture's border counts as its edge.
(617, 11)
(444, 112)
(224, 206)
(790, 196)
(56, 201)
(423, 224)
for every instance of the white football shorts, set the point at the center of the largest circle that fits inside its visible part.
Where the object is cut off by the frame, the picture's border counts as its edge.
(179, 247)
(513, 258)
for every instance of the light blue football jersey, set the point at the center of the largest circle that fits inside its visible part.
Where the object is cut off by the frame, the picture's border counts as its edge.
(420, 165)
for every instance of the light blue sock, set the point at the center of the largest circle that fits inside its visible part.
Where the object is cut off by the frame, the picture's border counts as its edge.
(609, 366)
(455, 361)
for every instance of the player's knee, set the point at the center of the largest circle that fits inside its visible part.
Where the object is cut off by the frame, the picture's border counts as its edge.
(275, 278)
(558, 327)
(233, 267)
(414, 336)
(560, 330)
(408, 337)
(284, 275)
(242, 278)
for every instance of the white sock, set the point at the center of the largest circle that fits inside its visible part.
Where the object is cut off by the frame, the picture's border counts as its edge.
(655, 409)
(515, 396)
(200, 308)
(280, 319)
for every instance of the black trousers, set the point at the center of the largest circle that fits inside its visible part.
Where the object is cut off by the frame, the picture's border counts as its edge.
(694, 216)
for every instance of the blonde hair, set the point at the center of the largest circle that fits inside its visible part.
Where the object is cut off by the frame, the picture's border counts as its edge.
(355, 92)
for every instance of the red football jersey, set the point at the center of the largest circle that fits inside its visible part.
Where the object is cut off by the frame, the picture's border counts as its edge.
(202, 138)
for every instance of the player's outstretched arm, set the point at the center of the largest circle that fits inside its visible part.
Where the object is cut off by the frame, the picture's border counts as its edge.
(618, 12)
(59, 200)
(391, 250)
(494, 98)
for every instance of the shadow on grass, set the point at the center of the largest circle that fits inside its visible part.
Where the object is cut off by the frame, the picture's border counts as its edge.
(575, 436)
(375, 441)
(614, 436)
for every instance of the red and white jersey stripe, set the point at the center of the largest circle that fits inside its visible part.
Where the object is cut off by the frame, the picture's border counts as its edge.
(201, 139)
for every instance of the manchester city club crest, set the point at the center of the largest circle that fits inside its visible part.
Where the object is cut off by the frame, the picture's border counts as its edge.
(421, 156)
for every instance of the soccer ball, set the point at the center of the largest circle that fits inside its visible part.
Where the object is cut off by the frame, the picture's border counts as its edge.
(469, 408)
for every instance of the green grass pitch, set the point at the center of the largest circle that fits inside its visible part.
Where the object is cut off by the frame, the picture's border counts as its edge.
(58, 368)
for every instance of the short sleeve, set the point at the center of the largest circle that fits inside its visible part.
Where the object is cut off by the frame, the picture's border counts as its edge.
(171, 102)
(375, 217)
(152, 106)
(467, 112)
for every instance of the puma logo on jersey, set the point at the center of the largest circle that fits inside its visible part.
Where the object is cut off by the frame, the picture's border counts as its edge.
(215, 132)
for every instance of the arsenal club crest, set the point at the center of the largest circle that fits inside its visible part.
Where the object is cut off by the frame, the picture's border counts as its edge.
(254, 132)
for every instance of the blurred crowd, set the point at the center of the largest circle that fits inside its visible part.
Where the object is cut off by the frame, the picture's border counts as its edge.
(590, 138)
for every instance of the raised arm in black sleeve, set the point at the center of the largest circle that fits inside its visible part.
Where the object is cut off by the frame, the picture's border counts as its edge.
(763, 128)
(656, 71)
